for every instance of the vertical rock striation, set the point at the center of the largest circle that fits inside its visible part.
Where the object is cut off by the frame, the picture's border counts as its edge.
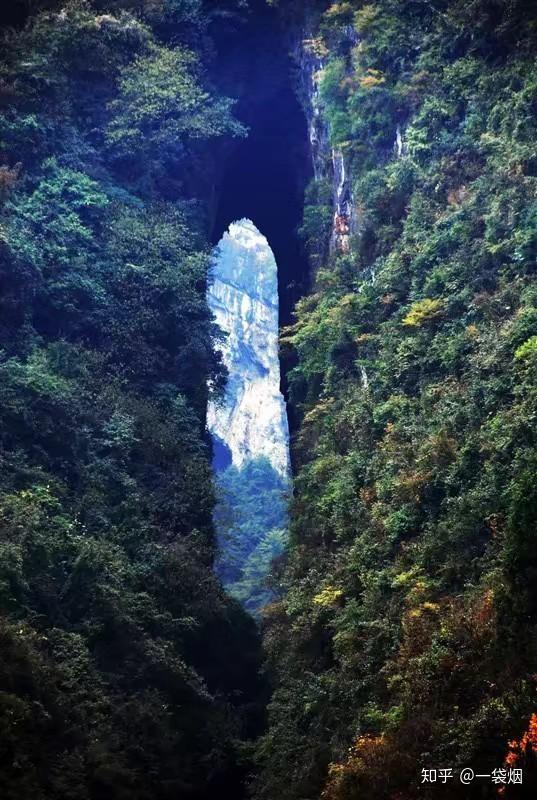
(329, 162)
(252, 419)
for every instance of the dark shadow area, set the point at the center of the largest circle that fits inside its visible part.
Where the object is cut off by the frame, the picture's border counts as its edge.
(13, 13)
(264, 175)
(222, 458)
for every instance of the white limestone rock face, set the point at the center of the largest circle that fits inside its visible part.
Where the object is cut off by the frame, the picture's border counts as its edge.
(252, 419)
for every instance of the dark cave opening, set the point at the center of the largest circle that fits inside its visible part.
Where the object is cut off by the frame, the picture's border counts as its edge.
(264, 175)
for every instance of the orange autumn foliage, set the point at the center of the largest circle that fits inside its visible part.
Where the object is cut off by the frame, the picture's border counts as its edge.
(484, 614)
(373, 768)
(368, 756)
(521, 751)
(519, 748)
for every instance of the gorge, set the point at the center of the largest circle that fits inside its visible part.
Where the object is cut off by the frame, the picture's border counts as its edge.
(214, 212)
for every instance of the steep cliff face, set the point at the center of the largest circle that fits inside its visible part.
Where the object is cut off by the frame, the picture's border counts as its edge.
(251, 420)
(125, 671)
(328, 161)
(264, 175)
(405, 635)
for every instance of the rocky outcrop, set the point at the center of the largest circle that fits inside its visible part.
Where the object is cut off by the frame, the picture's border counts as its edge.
(251, 419)
(329, 163)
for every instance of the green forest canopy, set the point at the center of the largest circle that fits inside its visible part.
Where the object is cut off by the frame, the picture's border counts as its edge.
(126, 671)
(406, 634)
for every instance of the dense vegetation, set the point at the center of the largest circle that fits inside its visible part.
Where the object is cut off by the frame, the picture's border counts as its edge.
(251, 524)
(406, 636)
(125, 671)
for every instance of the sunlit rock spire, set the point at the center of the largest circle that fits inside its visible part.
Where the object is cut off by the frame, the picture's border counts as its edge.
(251, 420)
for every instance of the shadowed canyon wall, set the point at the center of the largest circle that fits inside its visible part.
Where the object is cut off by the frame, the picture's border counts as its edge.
(264, 175)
